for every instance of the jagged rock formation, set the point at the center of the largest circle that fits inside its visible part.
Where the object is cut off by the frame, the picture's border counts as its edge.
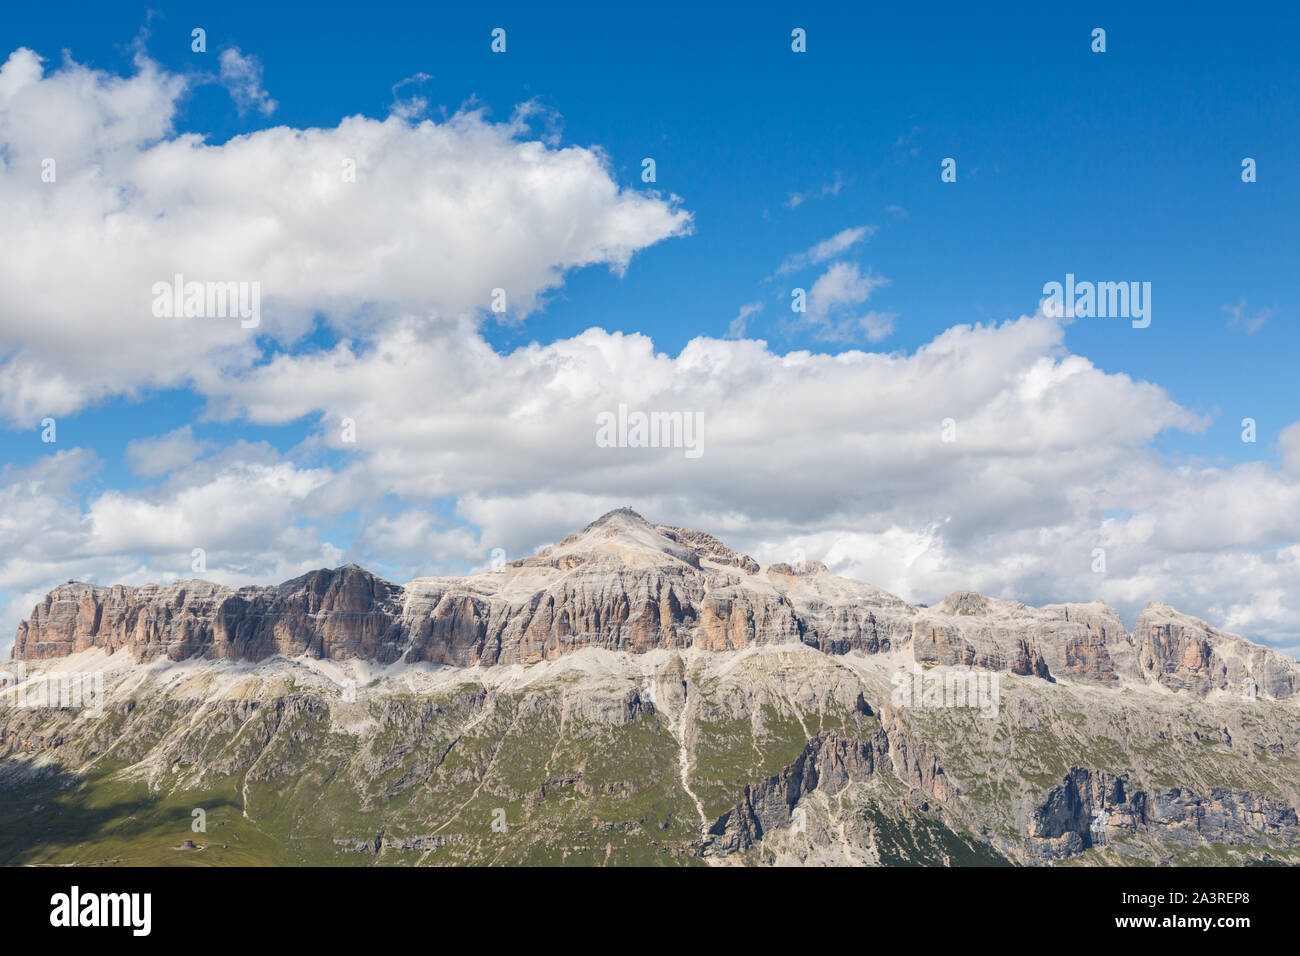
(1183, 653)
(1224, 816)
(1083, 809)
(343, 613)
(623, 584)
(829, 764)
(1090, 806)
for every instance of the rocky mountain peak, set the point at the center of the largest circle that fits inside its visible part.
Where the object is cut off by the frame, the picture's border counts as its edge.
(618, 537)
(965, 603)
(624, 516)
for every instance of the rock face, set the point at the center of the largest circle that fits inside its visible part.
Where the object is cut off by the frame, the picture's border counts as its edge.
(1089, 807)
(1083, 809)
(769, 754)
(1186, 654)
(1001, 649)
(829, 763)
(342, 613)
(623, 584)
(1225, 816)
(1079, 641)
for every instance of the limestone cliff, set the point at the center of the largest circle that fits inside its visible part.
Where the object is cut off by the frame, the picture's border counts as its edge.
(624, 584)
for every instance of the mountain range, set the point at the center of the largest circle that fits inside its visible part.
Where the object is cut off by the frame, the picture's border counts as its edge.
(638, 694)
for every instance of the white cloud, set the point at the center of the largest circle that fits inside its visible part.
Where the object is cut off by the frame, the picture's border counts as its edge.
(836, 245)
(1289, 444)
(736, 329)
(833, 301)
(157, 456)
(411, 107)
(832, 188)
(242, 507)
(1242, 319)
(242, 76)
(439, 216)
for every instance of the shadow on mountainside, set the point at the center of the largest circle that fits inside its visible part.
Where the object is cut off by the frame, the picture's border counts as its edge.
(62, 818)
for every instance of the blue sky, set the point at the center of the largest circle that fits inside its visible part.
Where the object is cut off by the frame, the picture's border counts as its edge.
(1124, 165)
(1107, 165)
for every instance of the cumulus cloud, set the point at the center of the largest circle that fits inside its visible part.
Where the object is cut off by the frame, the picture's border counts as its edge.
(354, 222)
(250, 513)
(439, 415)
